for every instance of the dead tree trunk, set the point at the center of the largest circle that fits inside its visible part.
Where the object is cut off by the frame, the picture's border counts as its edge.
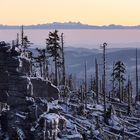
(91, 83)
(22, 36)
(56, 73)
(63, 61)
(104, 76)
(137, 94)
(17, 40)
(129, 97)
(96, 69)
(82, 94)
(100, 85)
(85, 84)
(113, 81)
(122, 92)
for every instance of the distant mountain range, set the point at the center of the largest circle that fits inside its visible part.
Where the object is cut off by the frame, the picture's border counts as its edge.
(76, 58)
(69, 25)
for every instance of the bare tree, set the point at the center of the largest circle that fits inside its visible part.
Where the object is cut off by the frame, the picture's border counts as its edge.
(85, 83)
(104, 74)
(137, 88)
(113, 80)
(63, 60)
(96, 72)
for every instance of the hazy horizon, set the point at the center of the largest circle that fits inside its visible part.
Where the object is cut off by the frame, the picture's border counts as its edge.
(65, 22)
(80, 38)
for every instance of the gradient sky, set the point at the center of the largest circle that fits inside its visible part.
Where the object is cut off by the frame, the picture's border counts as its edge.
(95, 12)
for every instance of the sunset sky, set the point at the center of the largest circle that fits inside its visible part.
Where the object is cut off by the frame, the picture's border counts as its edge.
(95, 12)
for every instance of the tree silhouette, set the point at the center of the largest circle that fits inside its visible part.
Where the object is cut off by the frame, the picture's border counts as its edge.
(54, 49)
(25, 43)
(118, 73)
(43, 62)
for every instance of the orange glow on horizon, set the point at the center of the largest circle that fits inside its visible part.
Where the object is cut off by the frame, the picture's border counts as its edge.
(93, 12)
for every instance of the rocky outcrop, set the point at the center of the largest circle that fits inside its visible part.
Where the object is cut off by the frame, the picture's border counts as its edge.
(48, 122)
(31, 109)
(15, 83)
(43, 88)
(25, 66)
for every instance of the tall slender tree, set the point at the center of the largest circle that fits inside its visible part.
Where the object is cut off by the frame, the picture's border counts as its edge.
(129, 96)
(25, 43)
(42, 60)
(17, 40)
(63, 60)
(119, 71)
(104, 74)
(137, 95)
(54, 49)
(113, 80)
(85, 83)
(96, 72)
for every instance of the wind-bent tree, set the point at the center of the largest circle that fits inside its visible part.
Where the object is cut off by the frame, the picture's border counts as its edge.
(54, 49)
(118, 73)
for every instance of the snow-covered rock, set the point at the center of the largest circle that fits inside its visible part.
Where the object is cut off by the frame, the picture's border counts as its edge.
(43, 88)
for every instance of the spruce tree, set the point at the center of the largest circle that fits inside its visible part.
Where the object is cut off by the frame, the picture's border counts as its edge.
(54, 51)
(119, 72)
